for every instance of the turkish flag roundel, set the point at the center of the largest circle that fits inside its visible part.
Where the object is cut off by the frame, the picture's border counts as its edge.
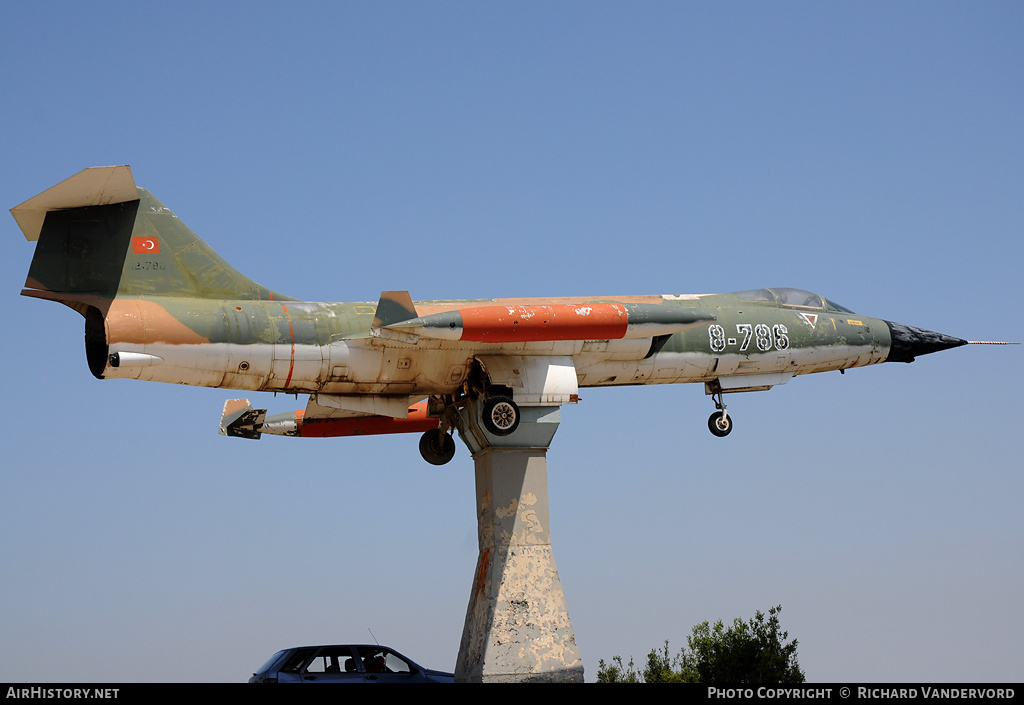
(145, 245)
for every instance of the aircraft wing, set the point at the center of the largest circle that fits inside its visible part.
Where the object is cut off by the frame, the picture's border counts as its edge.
(326, 415)
(343, 406)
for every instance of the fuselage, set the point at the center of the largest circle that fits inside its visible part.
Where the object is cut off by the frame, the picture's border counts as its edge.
(333, 348)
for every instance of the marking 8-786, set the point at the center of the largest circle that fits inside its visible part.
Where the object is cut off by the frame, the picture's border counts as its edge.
(763, 336)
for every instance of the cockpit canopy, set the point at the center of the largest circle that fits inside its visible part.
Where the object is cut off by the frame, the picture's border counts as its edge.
(791, 298)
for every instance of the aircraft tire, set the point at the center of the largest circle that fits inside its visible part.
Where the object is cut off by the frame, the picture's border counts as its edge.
(437, 447)
(720, 424)
(500, 416)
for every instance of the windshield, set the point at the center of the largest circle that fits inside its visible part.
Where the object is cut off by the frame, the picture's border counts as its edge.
(791, 298)
(799, 298)
(784, 296)
(756, 295)
(833, 306)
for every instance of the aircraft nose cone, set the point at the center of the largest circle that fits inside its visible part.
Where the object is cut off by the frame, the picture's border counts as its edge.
(908, 342)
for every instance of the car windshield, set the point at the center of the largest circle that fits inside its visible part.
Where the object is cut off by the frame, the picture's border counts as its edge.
(271, 661)
(296, 659)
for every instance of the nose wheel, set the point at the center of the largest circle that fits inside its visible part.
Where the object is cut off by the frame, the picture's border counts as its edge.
(719, 423)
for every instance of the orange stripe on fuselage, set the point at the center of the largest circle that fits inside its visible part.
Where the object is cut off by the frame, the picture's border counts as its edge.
(514, 324)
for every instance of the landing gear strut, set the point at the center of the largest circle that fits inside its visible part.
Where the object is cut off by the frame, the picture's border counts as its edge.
(499, 414)
(437, 446)
(719, 423)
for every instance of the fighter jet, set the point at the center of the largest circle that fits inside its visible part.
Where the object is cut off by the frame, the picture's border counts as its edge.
(160, 305)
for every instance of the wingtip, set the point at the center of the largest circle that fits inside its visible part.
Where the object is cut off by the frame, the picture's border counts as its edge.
(240, 420)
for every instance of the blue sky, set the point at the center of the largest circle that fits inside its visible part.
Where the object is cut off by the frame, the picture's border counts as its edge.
(871, 152)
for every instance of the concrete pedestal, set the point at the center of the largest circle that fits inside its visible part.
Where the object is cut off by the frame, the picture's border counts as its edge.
(517, 624)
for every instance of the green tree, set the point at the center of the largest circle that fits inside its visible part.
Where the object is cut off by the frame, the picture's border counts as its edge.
(615, 672)
(745, 652)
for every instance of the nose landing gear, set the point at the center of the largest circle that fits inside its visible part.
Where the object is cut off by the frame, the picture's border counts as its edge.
(719, 423)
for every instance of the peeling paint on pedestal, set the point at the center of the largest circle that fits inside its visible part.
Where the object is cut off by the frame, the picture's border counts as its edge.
(517, 624)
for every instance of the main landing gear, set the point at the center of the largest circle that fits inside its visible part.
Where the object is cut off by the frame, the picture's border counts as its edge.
(719, 423)
(499, 414)
(437, 447)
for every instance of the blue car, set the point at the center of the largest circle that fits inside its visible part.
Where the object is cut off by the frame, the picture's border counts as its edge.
(353, 663)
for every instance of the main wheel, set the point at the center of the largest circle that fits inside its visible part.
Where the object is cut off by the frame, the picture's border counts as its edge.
(437, 447)
(500, 416)
(720, 424)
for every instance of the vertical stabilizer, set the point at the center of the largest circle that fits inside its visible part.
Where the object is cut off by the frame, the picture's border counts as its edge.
(101, 236)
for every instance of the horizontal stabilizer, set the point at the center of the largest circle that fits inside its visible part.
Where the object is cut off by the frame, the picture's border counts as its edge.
(239, 419)
(95, 186)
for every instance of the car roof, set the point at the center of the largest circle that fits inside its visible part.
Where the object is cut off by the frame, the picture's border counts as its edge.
(334, 646)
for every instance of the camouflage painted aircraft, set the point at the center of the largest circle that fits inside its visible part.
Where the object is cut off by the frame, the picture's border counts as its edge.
(161, 305)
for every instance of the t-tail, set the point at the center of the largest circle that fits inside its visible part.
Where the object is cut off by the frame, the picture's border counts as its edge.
(102, 238)
(89, 224)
